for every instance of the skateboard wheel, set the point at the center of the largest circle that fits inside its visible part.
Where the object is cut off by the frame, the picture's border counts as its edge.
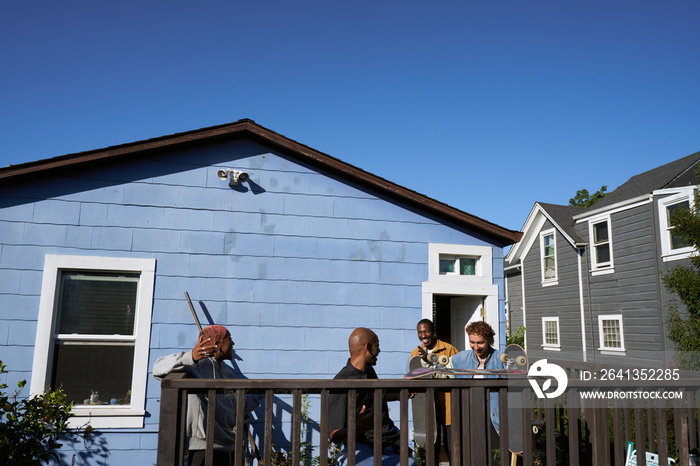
(504, 357)
(443, 360)
(432, 358)
(520, 360)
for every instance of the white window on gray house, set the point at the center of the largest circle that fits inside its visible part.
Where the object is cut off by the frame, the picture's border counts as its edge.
(93, 336)
(548, 255)
(672, 247)
(601, 245)
(450, 265)
(674, 240)
(611, 333)
(550, 333)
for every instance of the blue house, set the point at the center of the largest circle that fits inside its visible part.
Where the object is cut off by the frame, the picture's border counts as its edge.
(288, 247)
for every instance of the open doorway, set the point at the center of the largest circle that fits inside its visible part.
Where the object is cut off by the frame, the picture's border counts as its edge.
(452, 314)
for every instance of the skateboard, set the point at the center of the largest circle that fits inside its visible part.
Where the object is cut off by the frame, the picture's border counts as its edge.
(418, 408)
(514, 357)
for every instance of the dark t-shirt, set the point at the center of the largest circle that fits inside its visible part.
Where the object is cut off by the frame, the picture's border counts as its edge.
(338, 409)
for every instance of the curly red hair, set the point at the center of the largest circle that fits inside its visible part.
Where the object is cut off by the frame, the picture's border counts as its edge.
(482, 329)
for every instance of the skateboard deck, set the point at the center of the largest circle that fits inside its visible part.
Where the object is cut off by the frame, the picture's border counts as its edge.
(514, 357)
(430, 371)
(418, 408)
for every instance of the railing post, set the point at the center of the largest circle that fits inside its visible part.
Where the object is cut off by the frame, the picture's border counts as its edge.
(171, 412)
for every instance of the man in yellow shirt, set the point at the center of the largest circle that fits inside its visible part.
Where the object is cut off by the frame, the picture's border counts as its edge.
(429, 344)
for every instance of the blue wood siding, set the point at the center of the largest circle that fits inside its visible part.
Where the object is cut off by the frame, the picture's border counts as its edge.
(290, 263)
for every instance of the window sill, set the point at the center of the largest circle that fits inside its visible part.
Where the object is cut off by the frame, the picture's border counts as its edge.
(107, 417)
(550, 282)
(613, 351)
(551, 348)
(602, 271)
(677, 255)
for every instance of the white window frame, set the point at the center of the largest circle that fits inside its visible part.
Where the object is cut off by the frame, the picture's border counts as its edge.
(102, 416)
(549, 281)
(667, 251)
(611, 350)
(457, 265)
(550, 346)
(598, 268)
(484, 263)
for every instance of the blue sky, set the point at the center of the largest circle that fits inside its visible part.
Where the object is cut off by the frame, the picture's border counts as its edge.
(486, 105)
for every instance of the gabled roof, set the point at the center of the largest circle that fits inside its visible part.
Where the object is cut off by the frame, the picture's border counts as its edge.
(558, 215)
(563, 217)
(248, 129)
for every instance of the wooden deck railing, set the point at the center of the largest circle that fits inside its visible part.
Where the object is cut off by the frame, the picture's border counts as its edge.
(571, 430)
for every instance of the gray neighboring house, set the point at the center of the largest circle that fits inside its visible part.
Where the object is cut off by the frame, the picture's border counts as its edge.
(586, 282)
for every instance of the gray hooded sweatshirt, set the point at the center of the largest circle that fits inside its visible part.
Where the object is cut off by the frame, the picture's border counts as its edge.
(206, 368)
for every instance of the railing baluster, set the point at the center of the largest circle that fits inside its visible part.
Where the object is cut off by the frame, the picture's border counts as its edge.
(211, 425)
(267, 449)
(430, 427)
(503, 422)
(661, 426)
(296, 426)
(455, 447)
(403, 423)
(240, 427)
(323, 429)
(352, 423)
(550, 431)
(639, 433)
(377, 426)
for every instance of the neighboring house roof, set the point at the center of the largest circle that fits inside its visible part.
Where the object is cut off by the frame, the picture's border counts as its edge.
(674, 174)
(562, 216)
(649, 181)
(248, 129)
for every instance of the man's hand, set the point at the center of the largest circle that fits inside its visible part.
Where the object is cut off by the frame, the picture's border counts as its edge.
(423, 352)
(204, 349)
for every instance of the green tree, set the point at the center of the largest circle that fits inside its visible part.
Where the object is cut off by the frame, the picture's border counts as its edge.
(684, 326)
(30, 427)
(584, 199)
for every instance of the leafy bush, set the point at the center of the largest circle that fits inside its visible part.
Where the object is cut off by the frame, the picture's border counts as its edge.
(30, 427)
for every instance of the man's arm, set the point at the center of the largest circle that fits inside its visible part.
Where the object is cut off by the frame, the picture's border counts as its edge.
(365, 421)
(179, 362)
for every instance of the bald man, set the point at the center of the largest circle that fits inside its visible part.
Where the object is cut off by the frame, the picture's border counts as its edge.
(364, 350)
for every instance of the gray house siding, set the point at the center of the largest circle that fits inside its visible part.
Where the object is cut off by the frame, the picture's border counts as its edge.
(632, 290)
(560, 300)
(629, 289)
(514, 303)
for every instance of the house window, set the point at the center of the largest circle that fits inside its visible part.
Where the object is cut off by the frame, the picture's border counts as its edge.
(458, 265)
(601, 249)
(548, 256)
(93, 336)
(611, 333)
(672, 247)
(675, 241)
(550, 333)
